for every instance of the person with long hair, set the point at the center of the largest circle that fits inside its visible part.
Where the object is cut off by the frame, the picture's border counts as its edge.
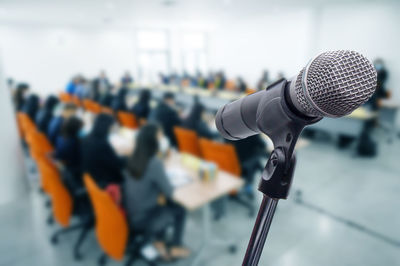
(142, 108)
(144, 180)
(45, 114)
(195, 122)
(98, 157)
(67, 152)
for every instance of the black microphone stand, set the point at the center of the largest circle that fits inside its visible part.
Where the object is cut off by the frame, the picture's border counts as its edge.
(278, 172)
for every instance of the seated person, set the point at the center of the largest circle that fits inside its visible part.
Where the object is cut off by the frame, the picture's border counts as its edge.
(98, 156)
(19, 96)
(44, 116)
(196, 122)
(142, 107)
(119, 102)
(31, 106)
(55, 124)
(67, 152)
(144, 180)
(250, 150)
(166, 115)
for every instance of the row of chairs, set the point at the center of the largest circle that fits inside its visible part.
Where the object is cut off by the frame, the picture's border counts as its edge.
(111, 226)
(223, 154)
(126, 119)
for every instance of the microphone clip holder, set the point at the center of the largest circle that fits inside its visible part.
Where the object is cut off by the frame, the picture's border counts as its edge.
(279, 170)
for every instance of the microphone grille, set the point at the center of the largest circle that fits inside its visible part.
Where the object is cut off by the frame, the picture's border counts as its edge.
(335, 83)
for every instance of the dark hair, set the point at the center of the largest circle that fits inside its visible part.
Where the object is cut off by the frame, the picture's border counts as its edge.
(32, 106)
(50, 103)
(194, 116)
(71, 127)
(19, 95)
(168, 96)
(146, 148)
(101, 126)
(144, 96)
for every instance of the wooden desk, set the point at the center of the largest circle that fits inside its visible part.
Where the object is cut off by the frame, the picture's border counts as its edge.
(196, 194)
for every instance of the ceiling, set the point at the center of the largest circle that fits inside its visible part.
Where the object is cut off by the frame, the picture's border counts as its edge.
(203, 13)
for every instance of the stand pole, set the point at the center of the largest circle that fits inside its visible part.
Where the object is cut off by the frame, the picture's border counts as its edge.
(260, 231)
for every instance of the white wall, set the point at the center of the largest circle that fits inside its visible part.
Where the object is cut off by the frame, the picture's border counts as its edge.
(48, 57)
(281, 39)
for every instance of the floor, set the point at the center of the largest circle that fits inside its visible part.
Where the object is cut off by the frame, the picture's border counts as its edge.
(342, 210)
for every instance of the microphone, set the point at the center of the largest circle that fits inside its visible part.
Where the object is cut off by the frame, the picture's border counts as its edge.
(333, 84)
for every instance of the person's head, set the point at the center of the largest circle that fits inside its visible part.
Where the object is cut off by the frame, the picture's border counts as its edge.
(76, 80)
(127, 74)
(146, 148)
(144, 96)
(51, 103)
(103, 74)
(68, 110)
(195, 115)
(22, 88)
(169, 98)
(102, 126)
(378, 63)
(265, 75)
(71, 127)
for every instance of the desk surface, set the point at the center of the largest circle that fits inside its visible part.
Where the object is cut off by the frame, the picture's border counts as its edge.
(196, 193)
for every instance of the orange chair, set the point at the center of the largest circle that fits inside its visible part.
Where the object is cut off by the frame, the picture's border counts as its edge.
(112, 229)
(224, 155)
(91, 106)
(26, 123)
(75, 99)
(65, 97)
(128, 120)
(61, 199)
(187, 141)
(63, 206)
(250, 91)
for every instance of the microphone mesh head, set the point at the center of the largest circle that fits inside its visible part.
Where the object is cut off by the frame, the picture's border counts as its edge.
(335, 83)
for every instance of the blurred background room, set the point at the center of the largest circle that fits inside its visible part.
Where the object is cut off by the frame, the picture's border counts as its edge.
(110, 155)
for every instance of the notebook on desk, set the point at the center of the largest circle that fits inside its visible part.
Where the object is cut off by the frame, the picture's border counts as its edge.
(177, 177)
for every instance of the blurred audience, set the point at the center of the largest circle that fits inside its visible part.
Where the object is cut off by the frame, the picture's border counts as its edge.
(241, 86)
(196, 122)
(98, 157)
(166, 115)
(264, 81)
(127, 79)
(67, 152)
(381, 90)
(101, 85)
(119, 101)
(145, 179)
(19, 95)
(142, 107)
(55, 124)
(31, 106)
(45, 114)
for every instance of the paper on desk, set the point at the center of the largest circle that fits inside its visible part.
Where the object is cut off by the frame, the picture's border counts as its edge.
(177, 177)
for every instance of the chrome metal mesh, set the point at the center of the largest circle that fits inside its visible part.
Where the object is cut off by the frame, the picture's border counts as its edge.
(337, 83)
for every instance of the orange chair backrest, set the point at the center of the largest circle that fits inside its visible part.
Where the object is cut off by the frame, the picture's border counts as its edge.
(111, 226)
(65, 97)
(187, 141)
(75, 99)
(26, 123)
(61, 199)
(250, 91)
(91, 106)
(128, 120)
(224, 155)
(230, 85)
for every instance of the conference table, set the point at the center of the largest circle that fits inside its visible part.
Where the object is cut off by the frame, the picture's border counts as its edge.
(196, 194)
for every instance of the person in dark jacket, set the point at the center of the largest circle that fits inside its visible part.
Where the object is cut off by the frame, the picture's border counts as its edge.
(45, 114)
(142, 107)
(98, 157)
(195, 122)
(67, 152)
(55, 124)
(119, 102)
(127, 79)
(101, 86)
(19, 96)
(167, 116)
(144, 181)
(250, 150)
(31, 106)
